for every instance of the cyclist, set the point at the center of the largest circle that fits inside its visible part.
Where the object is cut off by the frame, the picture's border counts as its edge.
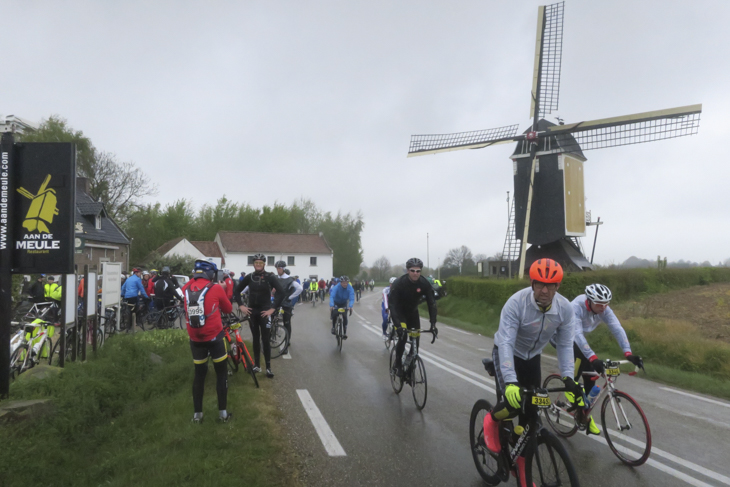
(165, 289)
(260, 284)
(384, 307)
(294, 289)
(132, 289)
(357, 286)
(405, 295)
(36, 290)
(204, 302)
(322, 288)
(372, 284)
(229, 284)
(341, 296)
(591, 309)
(313, 289)
(528, 320)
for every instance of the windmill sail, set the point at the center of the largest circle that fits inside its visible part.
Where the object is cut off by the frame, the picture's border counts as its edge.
(435, 143)
(632, 129)
(548, 60)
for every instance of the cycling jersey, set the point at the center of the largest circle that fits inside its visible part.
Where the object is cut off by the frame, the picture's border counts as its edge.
(405, 295)
(313, 286)
(215, 303)
(587, 321)
(386, 292)
(132, 287)
(291, 286)
(342, 297)
(259, 287)
(524, 330)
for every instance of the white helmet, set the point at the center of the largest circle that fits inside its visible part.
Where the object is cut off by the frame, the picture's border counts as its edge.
(392, 279)
(598, 293)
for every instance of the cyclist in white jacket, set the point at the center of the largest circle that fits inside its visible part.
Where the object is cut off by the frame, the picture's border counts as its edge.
(528, 321)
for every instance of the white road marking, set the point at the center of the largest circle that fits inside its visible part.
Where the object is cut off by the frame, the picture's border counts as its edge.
(694, 396)
(333, 447)
(287, 356)
(432, 359)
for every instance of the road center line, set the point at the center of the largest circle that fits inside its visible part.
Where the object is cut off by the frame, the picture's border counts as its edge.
(724, 404)
(333, 447)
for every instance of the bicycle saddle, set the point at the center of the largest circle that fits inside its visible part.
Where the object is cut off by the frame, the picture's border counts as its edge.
(489, 366)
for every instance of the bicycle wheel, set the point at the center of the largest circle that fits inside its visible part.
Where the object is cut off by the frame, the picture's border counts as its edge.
(487, 463)
(232, 351)
(55, 357)
(419, 384)
(338, 333)
(557, 415)
(279, 338)
(16, 360)
(550, 464)
(45, 351)
(625, 420)
(391, 336)
(395, 381)
(248, 363)
(99, 338)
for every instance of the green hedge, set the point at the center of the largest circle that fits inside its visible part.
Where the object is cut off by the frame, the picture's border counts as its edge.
(624, 283)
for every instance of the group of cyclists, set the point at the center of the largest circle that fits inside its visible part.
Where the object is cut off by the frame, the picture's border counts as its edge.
(317, 290)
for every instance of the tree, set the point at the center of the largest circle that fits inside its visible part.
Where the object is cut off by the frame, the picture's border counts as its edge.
(380, 268)
(119, 185)
(458, 257)
(180, 265)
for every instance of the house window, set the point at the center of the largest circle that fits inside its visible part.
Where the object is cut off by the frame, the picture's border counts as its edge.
(290, 260)
(313, 261)
(270, 260)
(250, 260)
(97, 222)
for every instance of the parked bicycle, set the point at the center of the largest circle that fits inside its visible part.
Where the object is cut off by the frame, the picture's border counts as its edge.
(623, 420)
(279, 335)
(414, 372)
(30, 345)
(236, 348)
(125, 317)
(166, 318)
(546, 460)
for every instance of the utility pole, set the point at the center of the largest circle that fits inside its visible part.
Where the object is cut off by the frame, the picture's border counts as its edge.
(428, 259)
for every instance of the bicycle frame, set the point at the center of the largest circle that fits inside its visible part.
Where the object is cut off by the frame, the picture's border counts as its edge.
(608, 385)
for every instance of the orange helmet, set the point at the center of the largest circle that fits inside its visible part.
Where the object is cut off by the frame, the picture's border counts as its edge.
(546, 270)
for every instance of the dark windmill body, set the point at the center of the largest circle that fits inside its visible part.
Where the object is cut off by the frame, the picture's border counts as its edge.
(549, 197)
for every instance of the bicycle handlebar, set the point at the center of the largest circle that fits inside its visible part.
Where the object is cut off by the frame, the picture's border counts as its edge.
(418, 330)
(612, 363)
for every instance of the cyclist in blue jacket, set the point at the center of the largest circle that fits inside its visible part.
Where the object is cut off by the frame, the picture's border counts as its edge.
(341, 296)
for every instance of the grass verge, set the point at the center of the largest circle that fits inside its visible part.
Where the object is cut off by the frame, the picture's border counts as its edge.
(674, 351)
(122, 419)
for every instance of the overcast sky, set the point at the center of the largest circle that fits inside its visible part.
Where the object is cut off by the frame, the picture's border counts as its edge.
(271, 101)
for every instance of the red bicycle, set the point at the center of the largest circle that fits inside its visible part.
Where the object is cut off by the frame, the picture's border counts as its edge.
(236, 348)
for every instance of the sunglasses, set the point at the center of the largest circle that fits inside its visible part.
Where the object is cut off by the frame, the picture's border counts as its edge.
(415, 271)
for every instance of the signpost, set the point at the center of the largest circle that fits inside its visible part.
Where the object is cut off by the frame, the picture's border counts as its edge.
(37, 207)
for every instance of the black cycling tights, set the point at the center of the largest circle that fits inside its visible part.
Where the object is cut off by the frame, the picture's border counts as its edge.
(221, 384)
(261, 332)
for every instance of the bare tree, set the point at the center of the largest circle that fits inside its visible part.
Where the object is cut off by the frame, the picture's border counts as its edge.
(480, 257)
(457, 257)
(119, 185)
(381, 267)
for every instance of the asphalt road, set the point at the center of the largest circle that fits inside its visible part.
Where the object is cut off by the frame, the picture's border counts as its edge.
(384, 440)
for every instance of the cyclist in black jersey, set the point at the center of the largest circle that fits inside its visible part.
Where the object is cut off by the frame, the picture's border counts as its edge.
(405, 296)
(260, 284)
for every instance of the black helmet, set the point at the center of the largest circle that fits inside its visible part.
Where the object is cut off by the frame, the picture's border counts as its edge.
(287, 271)
(280, 263)
(165, 271)
(414, 262)
(344, 278)
(259, 257)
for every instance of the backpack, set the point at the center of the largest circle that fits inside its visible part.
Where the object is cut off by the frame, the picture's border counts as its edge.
(195, 306)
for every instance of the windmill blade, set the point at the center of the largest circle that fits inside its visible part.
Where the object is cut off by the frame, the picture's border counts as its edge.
(548, 60)
(631, 129)
(435, 143)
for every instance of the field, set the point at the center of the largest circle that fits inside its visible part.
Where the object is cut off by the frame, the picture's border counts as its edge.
(683, 335)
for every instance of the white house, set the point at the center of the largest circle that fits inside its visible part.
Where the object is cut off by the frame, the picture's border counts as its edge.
(306, 255)
(195, 249)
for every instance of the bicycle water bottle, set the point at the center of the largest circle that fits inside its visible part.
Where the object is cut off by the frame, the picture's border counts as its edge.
(593, 395)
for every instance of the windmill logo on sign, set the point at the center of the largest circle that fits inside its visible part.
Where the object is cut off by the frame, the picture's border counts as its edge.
(548, 205)
(42, 207)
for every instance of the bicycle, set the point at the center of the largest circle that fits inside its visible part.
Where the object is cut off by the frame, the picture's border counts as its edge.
(546, 460)
(313, 295)
(627, 422)
(390, 334)
(236, 348)
(32, 343)
(414, 372)
(358, 294)
(164, 318)
(125, 318)
(279, 335)
(340, 327)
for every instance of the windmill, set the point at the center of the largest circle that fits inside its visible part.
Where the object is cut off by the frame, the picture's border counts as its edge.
(549, 199)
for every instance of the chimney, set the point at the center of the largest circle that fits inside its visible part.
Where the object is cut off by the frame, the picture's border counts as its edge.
(83, 184)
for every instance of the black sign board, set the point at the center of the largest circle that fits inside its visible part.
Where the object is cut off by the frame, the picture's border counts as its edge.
(44, 207)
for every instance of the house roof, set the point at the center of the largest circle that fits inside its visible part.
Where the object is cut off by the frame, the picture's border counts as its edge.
(209, 249)
(86, 211)
(274, 242)
(167, 246)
